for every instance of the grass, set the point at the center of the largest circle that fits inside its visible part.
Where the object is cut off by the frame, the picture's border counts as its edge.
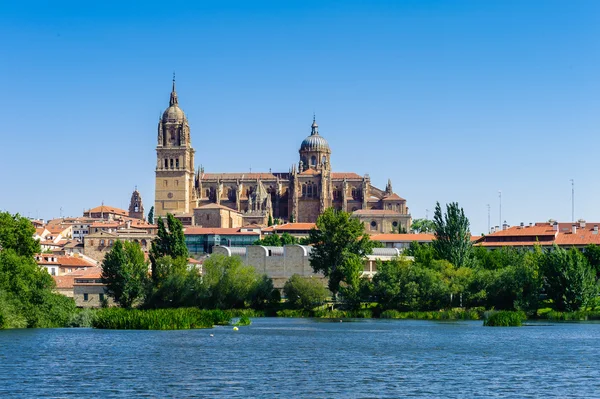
(159, 319)
(452, 314)
(504, 318)
(581, 315)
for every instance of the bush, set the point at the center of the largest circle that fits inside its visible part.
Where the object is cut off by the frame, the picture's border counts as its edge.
(292, 313)
(571, 316)
(159, 319)
(505, 318)
(304, 292)
(453, 314)
(82, 318)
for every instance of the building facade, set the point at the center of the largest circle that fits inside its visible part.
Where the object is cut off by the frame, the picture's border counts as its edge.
(299, 195)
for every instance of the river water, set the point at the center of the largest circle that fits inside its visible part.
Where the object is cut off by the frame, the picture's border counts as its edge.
(306, 358)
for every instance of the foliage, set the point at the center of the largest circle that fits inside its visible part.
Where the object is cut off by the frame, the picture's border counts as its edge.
(264, 293)
(424, 254)
(158, 319)
(170, 241)
(336, 241)
(570, 282)
(504, 318)
(292, 218)
(270, 221)
(580, 315)
(292, 313)
(404, 285)
(304, 292)
(125, 273)
(227, 283)
(422, 226)
(151, 215)
(242, 321)
(275, 240)
(452, 236)
(82, 318)
(174, 284)
(592, 254)
(26, 290)
(452, 314)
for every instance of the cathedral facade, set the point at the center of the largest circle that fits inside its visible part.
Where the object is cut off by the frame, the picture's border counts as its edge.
(299, 195)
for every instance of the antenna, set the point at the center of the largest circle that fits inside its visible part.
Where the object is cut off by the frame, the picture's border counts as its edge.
(488, 206)
(500, 208)
(572, 200)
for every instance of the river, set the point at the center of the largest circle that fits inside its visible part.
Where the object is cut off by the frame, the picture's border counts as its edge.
(306, 358)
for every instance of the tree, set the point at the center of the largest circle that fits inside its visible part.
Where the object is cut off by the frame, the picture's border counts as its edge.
(151, 215)
(452, 236)
(337, 238)
(26, 290)
(292, 219)
(270, 221)
(227, 283)
(264, 293)
(125, 273)
(592, 254)
(304, 292)
(170, 241)
(422, 226)
(569, 280)
(275, 240)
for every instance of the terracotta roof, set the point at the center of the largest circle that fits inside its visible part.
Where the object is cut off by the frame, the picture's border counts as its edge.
(40, 230)
(377, 212)
(291, 227)
(539, 231)
(514, 243)
(65, 281)
(309, 172)
(242, 176)
(108, 209)
(105, 224)
(193, 261)
(342, 175)
(64, 260)
(217, 230)
(393, 196)
(216, 206)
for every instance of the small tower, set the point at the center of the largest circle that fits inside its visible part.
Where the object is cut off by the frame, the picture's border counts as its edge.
(314, 151)
(388, 188)
(136, 207)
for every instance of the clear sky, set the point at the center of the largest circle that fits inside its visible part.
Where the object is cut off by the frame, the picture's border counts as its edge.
(452, 100)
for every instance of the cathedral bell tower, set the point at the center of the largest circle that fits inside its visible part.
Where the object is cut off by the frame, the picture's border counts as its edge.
(174, 191)
(314, 151)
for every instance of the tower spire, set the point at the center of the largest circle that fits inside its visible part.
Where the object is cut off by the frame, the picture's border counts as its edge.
(314, 127)
(173, 100)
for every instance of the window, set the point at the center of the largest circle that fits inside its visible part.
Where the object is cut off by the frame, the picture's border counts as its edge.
(171, 163)
(101, 297)
(166, 163)
(85, 297)
(166, 183)
(323, 159)
(309, 190)
(92, 243)
(110, 243)
(313, 160)
(304, 190)
(373, 225)
(395, 224)
(177, 163)
(101, 243)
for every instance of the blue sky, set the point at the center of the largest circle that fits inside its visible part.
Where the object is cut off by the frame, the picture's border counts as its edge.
(452, 100)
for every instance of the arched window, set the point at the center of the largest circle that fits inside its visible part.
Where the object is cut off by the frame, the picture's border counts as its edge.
(207, 193)
(373, 225)
(171, 163)
(177, 163)
(323, 159)
(304, 190)
(309, 190)
(166, 163)
(395, 224)
(313, 161)
(231, 194)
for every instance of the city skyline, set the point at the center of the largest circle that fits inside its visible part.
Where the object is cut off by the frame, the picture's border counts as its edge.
(451, 102)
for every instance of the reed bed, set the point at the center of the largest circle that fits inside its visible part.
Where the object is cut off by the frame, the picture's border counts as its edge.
(453, 314)
(159, 319)
(504, 318)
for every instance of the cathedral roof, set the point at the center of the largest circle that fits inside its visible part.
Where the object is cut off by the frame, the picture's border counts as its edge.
(345, 175)
(315, 142)
(173, 113)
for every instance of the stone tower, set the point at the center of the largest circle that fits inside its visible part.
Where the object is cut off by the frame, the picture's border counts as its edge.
(174, 162)
(136, 207)
(314, 151)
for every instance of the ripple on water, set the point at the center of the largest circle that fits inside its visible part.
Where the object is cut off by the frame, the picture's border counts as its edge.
(304, 358)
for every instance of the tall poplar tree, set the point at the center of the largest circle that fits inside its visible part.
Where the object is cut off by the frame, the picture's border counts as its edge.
(452, 235)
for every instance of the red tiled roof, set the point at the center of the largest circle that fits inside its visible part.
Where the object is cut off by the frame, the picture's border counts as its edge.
(105, 224)
(65, 281)
(342, 175)
(291, 227)
(545, 230)
(216, 230)
(376, 212)
(393, 196)
(310, 172)
(108, 209)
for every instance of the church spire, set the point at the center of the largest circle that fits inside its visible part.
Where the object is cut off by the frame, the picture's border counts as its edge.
(173, 100)
(388, 187)
(314, 127)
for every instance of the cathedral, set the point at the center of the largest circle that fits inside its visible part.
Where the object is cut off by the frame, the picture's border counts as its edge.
(240, 199)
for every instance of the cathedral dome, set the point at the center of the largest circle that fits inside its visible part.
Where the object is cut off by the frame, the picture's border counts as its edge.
(314, 142)
(173, 114)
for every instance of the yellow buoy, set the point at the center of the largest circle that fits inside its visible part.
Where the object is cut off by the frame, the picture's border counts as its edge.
(235, 328)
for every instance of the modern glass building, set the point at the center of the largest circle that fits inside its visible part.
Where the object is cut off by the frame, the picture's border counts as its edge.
(201, 240)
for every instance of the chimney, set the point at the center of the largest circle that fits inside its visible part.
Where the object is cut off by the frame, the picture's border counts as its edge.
(128, 224)
(595, 229)
(522, 225)
(581, 223)
(504, 225)
(574, 229)
(555, 226)
(530, 224)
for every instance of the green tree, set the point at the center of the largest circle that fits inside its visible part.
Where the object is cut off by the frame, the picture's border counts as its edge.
(151, 215)
(264, 293)
(422, 226)
(270, 221)
(304, 292)
(569, 280)
(26, 290)
(424, 254)
(174, 284)
(125, 273)
(592, 254)
(337, 238)
(292, 219)
(227, 283)
(405, 285)
(275, 240)
(170, 241)
(452, 236)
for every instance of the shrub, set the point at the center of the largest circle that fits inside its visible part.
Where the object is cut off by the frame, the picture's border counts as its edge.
(292, 313)
(505, 318)
(304, 292)
(159, 319)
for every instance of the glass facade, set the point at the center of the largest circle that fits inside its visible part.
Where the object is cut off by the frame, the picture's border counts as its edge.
(204, 243)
